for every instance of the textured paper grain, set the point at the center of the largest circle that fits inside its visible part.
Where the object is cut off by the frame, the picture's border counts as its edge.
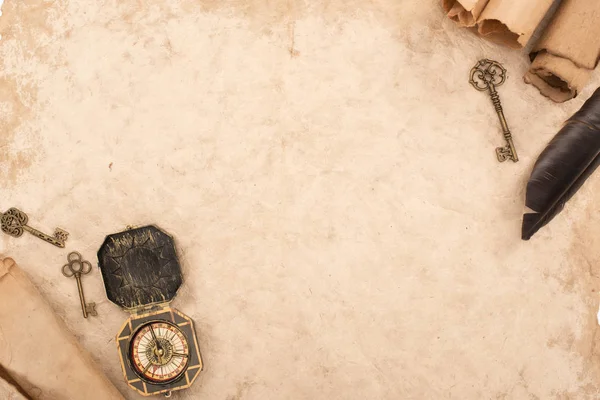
(568, 50)
(329, 176)
(37, 350)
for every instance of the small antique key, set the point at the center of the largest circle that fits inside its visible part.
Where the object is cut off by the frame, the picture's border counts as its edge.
(487, 75)
(14, 223)
(77, 267)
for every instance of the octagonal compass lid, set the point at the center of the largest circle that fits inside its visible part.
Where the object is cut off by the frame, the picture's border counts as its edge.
(140, 267)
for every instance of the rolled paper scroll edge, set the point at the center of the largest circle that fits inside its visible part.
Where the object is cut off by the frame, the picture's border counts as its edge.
(545, 89)
(505, 22)
(511, 22)
(498, 32)
(5, 265)
(556, 77)
(464, 15)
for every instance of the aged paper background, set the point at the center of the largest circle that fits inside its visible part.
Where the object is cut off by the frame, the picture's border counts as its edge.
(329, 174)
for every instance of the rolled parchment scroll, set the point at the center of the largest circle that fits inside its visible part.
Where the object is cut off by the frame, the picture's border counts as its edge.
(464, 12)
(507, 22)
(37, 350)
(568, 50)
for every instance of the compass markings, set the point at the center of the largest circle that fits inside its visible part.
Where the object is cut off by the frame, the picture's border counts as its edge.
(159, 369)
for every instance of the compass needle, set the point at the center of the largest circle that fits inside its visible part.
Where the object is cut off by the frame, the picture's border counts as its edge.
(146, 368)
(154, 336)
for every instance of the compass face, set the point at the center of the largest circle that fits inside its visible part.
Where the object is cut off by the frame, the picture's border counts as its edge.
(159, 352)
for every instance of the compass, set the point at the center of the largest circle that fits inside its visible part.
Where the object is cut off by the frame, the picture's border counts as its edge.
(158, 347)
(159, 352)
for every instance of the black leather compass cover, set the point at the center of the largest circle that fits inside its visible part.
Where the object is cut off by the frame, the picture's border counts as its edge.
(140, 267)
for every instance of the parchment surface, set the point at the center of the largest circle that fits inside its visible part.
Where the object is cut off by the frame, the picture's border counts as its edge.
(37, 351)
(329, 175)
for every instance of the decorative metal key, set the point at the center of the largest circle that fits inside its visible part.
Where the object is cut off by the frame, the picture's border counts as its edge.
(14, 223)
(487, 75)
(77, 267)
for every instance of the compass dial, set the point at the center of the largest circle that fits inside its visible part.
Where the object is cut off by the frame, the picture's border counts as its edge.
(159, 352)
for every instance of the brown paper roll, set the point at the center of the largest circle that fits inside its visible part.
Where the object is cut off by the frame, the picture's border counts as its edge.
(36, 348)
(507, 22)
(568, 51)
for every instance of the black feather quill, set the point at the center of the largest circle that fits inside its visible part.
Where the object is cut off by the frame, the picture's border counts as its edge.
(564, 165)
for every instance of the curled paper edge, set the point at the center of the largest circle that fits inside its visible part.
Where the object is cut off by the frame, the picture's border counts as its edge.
(556, 77)
(511, 23)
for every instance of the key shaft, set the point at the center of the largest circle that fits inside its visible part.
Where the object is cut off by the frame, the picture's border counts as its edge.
(55, 240)
(76, 267)
(81, 295)
(86, 308)
(509, 150)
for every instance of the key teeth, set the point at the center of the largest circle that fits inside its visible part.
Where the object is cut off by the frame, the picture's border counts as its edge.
(506, 153)
(91, 309)
(503, 153)
(61, 235)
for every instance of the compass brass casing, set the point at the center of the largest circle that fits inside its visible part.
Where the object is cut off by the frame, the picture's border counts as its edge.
(142, 274)
(186, 325)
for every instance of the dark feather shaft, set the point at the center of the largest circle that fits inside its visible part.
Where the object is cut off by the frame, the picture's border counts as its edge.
(564, 165)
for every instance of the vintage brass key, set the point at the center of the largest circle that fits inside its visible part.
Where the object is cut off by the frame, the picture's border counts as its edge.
(77, 267)
(488, 75)
(14, 223)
